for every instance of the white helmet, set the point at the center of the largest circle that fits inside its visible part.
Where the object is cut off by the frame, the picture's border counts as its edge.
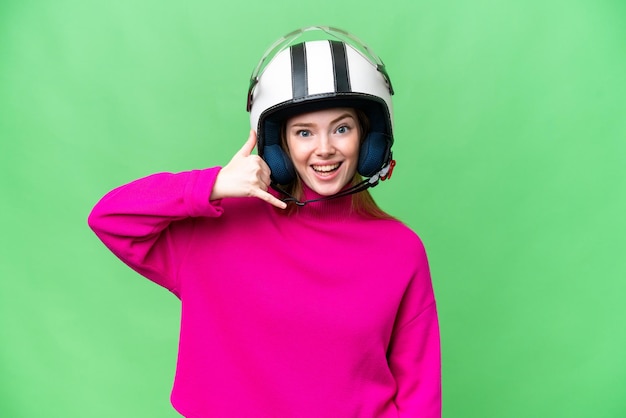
(316, 68)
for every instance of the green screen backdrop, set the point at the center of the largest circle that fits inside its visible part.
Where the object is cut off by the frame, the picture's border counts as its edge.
(511, 149)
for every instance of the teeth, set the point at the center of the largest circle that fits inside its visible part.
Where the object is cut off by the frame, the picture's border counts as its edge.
(325, 168)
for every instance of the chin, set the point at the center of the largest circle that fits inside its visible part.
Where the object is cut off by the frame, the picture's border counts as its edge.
(326, 189)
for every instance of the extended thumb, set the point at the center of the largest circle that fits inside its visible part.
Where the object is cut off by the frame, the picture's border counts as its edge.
(249, 145)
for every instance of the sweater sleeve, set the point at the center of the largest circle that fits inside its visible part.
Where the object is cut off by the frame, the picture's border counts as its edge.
(414, 352)
(139, 221)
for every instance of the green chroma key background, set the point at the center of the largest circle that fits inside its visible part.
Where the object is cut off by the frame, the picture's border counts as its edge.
(511, 150)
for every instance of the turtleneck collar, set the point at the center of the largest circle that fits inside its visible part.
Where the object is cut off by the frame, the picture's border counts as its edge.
(332, 209)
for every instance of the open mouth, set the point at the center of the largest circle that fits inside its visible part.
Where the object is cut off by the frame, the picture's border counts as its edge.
(325, 169)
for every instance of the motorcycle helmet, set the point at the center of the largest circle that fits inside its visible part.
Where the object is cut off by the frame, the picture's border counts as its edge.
(314, 68)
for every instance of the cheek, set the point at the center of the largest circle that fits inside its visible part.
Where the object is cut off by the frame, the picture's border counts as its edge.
(296, 152)
(352, 157)
(353, 151)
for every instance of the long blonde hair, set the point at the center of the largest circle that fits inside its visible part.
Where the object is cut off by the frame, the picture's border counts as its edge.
(362, 202)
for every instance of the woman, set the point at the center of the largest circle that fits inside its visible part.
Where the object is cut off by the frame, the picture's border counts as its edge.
(300, 297)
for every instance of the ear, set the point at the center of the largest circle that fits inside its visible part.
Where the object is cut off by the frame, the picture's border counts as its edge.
(373, 154)
(280, 164)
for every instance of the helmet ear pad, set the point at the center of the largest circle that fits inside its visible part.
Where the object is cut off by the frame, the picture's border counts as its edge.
(270, 149)
(281, 167)
(373, 153)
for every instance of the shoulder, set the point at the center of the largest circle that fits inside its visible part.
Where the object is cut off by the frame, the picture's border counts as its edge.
(397, 240)
(399, 232)
(241, 212)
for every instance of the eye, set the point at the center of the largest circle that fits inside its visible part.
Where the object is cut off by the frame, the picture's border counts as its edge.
(304, 133)
(343, 129)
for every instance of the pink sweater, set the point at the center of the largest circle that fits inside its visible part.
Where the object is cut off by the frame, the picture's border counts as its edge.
(318, 314)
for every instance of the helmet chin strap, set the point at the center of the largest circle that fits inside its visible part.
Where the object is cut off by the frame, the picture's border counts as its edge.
(383, 174)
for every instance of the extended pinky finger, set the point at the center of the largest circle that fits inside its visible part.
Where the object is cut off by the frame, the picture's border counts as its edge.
(270, 199)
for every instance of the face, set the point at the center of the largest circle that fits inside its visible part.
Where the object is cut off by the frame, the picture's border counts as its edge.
(324, 148)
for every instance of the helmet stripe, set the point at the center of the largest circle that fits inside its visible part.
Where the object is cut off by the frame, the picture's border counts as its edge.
(319, 64)
(299, 85)
(340, 67)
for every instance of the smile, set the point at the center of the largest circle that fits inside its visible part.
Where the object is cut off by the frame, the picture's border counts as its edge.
(323, 169)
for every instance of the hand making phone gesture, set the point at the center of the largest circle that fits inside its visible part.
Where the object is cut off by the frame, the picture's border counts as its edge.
(246, 175)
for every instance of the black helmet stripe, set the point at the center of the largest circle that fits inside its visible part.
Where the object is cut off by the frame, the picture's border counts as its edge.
(340, 67)
(299, 82)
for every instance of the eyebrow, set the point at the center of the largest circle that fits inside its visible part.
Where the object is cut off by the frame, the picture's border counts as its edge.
(309, 124)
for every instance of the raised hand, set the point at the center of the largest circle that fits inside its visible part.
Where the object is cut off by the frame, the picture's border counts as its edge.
(246, 175)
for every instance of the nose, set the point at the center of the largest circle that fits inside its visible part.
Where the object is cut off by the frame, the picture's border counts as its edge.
(325, 146)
